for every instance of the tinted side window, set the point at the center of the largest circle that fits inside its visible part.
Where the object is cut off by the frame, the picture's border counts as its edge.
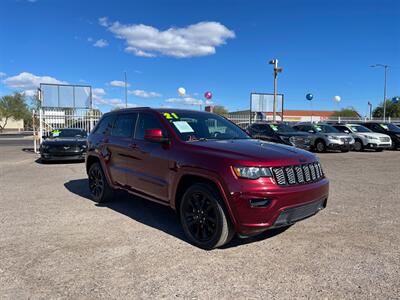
(124, 125)
(375, 127)
(341, 128)
(147, 121)
(105, 125)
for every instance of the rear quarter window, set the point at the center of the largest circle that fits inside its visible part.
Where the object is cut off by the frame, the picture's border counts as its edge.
(105, 125)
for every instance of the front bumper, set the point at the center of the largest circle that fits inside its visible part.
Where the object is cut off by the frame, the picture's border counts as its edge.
(279, 201)
(79, 155)
(335, 146)
(377, 145)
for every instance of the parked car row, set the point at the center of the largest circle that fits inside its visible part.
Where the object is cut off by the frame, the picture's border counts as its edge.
(320, 137)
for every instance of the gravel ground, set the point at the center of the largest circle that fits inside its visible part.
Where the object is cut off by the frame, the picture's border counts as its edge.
(56, 243)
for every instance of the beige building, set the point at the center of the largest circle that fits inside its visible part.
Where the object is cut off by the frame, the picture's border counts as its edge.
(13, 125)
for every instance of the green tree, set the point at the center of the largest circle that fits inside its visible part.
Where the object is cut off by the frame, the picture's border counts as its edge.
(219, 109)
(12, 106)
(348, 112)
(392, 110)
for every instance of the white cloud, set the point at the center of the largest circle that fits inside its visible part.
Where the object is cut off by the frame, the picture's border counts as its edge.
(98, 99)
(98, 92)
(101, 43)
(185, 101)
(194, 40)
(2, 74)
(90, 39)
(29, 81)
(30, 93)
(144, 94)
(118, 83)
(104, 21)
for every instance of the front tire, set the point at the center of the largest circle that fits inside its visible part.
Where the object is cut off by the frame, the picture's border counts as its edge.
(99, 188)
(358, 146)
(320, 146)
(204, 218)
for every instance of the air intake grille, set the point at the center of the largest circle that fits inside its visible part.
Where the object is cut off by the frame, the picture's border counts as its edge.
(298, 174)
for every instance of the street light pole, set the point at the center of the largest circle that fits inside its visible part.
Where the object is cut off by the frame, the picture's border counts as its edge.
(276, 71)
(385, 67)
(126, 91)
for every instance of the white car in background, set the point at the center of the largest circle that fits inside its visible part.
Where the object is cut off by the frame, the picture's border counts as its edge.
(365, 138)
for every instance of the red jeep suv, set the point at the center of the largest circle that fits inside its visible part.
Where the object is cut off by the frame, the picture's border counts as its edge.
(218, 179)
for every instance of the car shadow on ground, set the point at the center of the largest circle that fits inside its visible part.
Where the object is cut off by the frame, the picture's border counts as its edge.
(58, 162)
(153, 214)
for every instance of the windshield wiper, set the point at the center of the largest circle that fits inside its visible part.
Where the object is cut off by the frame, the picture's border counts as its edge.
(199, 140)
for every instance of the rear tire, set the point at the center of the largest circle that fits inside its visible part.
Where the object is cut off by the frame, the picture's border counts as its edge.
(100, 190)
(204, 218)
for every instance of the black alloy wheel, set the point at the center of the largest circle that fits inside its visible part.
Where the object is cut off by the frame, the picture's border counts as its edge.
(203, 217)
(98, 185)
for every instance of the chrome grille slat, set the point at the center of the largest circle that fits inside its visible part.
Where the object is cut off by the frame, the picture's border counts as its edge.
(312, 170)
(279, 176)
(300, 174)
(306, 171)
(290, 175)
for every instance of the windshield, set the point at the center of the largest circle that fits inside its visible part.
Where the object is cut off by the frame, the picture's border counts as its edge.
(390, 127)
(68, 133)
(197, 126)
(325, 129)
(358, 128)
(282, 128)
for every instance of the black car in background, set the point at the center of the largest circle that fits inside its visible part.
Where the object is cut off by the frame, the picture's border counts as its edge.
(386, 128)
(280, 133)
(64, 144)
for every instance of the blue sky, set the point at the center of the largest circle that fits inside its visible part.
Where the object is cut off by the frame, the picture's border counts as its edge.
(324, 47)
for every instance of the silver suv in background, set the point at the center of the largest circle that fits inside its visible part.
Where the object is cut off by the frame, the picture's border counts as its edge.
(327, 137)
(365, 138)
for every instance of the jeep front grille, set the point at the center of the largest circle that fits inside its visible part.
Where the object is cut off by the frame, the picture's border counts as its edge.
(299, 174)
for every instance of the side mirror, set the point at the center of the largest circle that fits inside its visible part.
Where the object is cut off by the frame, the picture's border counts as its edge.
(154, 135)
(346, 131)
(311, 131)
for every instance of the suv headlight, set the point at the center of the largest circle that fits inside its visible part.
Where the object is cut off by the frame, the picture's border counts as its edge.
(252, 172)
(332, 137)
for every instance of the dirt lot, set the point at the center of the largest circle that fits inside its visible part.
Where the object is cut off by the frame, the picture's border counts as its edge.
(56, 243)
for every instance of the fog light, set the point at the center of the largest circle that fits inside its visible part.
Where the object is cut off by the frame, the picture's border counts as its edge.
(259, 202)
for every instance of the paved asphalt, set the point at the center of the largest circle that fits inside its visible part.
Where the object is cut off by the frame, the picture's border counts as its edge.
(56, 243)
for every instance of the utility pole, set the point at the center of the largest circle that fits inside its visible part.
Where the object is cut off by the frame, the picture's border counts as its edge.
(126, 91)
(385, 67)
(276, 71)
(370, 109)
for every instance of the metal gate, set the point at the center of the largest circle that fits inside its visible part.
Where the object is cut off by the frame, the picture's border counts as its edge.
(47, 119)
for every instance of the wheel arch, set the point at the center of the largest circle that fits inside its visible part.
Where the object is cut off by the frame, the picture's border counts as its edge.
(188, 179)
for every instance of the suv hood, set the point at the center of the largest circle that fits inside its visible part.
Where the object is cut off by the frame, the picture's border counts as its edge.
(374, 134)
(337, 134)
(255, 152)
(294, 133)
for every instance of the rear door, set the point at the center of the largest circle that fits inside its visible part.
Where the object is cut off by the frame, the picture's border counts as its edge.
(120, 147)
(151, 163)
